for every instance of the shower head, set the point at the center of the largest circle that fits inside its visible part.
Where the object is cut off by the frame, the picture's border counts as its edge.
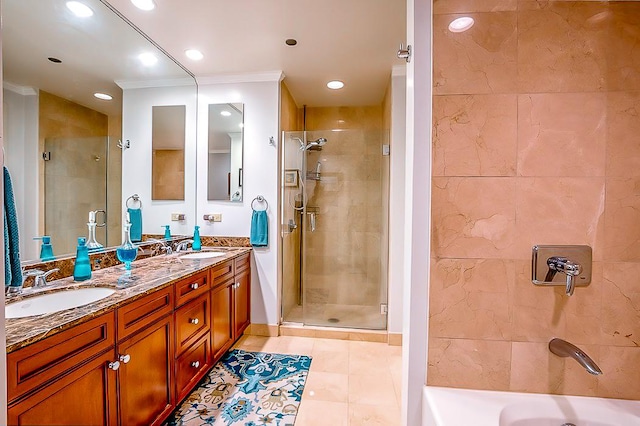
(315, 145)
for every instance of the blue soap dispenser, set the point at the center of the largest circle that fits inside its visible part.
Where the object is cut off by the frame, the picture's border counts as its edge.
(167, 232)
(46, 250)
(197, 244)
(82, 268)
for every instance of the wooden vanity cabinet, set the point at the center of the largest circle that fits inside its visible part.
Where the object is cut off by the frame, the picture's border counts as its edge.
(242, 295)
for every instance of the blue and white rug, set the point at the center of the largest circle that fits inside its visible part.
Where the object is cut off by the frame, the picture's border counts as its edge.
(248, 389)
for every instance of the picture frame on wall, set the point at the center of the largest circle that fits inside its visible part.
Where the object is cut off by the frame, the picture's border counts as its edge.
(291, 177)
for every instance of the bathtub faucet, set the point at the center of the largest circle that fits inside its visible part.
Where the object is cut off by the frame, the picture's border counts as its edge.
(565, 349)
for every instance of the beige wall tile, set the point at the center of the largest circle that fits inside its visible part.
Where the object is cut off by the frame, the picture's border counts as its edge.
(562, 134)
(560, 211)
(465, 6)
(621, 375)
(620, 317)
(473, 217)
(622, 49)
(623, 128)
(480, 60)
(474, 135)
(622, 220)
(560, 48)
(472, 364)
(468, 299)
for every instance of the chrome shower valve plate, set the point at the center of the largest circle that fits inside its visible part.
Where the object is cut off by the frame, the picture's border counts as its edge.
(582, 255)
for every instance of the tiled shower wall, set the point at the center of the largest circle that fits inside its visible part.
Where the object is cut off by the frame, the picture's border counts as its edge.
(536, 141)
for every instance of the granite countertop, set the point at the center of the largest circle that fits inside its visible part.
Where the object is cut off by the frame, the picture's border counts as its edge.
(146, 276)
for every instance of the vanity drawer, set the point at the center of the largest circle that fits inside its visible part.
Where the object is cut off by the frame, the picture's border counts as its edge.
(242, 262)
(221, 273)
(192, 287)
(191, 320)
(137, 315)
(191, 366)
(42, 362)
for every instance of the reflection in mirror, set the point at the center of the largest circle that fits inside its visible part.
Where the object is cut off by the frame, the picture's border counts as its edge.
(60, 138)
(224, 180)
(167, 167)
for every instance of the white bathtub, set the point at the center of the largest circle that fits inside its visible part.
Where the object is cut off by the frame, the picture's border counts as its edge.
(457, 407)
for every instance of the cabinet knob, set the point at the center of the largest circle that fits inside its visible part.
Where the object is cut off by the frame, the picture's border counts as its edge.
(194, 286)
(114, 365)
(194, 320)
(195, 364)
(125, 358)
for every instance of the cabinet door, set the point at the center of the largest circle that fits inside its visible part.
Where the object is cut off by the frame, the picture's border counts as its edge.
(86, 396)
(242, 303)
(145, 375)
(221, 316)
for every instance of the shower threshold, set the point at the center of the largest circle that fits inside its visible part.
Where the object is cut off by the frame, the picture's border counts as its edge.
(327, 332)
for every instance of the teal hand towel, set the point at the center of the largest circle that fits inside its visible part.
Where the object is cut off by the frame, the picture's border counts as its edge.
(12, 269)
(135, 216)
(259, 229)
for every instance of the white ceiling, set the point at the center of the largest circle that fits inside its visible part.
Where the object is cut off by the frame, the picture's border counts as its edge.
(350, 40)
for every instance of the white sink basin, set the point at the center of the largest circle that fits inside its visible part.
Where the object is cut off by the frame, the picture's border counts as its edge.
(54, 302)
(202, 255)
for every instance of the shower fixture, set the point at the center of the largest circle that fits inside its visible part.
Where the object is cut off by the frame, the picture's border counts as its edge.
(314, 145)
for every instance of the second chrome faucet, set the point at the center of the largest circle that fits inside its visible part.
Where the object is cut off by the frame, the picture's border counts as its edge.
(563, 348)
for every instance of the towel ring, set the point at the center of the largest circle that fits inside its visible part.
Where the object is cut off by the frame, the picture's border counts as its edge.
(259, 199)
(135, 198)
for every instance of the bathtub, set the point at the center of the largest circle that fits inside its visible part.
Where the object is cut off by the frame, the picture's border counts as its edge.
(457, 407)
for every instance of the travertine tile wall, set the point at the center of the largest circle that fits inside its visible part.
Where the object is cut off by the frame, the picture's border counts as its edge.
(536, 141)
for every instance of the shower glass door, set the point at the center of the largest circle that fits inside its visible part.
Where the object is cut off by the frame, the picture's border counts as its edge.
(335, 239)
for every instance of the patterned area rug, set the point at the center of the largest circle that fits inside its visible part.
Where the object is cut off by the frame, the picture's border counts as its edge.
(248, 389)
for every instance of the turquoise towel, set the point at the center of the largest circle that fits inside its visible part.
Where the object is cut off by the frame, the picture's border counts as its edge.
(259, 229)
(135, 216)
(12, 269)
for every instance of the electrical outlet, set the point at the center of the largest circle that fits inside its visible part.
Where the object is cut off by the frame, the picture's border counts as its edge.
(217, 217)
(175, 217)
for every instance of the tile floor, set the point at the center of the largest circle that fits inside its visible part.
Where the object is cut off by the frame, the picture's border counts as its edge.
(350, 383)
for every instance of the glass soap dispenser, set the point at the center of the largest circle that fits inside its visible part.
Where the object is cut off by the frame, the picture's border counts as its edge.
(82, 267)
(92, 243)
(127, 252)
(167, 232)
(197, 244)
(46, 250)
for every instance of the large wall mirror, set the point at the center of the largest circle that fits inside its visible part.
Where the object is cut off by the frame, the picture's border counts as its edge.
(225, 148)
(62, 116)
(167, 161)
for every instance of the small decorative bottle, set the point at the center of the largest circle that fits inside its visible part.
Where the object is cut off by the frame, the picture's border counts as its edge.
(92, 243)
(127, 252)
(167, 232)
(82, 267)
(197, 244)
(46, 250)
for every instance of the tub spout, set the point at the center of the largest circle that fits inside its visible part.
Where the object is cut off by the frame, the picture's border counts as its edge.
(565, 349)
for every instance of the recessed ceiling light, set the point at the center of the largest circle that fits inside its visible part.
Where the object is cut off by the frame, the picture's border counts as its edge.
(103, 96)
(55, 60)
(81, 10)
(461, 24)
(148, 59)
(225, 113)
(194, 54)
(144, 4)
(335, 84)
(291, 42)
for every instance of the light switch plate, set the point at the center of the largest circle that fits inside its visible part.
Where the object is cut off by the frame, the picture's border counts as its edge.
(176, 217)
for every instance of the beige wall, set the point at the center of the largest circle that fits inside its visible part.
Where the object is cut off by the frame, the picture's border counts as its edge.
(535, 142)
(60, 118)
(114, 183)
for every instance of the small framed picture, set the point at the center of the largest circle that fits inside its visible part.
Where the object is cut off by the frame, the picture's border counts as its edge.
(291, 177)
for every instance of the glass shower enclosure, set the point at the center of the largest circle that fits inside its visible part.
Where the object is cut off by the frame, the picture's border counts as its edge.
(335, 228)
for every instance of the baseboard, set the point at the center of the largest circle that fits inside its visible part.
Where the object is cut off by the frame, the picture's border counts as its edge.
(265, 330)
(395, 339)
(379, 336)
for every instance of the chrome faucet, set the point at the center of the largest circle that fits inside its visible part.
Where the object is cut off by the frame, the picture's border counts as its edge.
(163, 245)
(40, 276)
(565, 349)
(183, 245)
(567, 267)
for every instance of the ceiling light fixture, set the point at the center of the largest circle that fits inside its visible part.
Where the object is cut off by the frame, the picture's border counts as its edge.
(291, 42)
(81, 10)
(144, 4)
(225, 113)
(103, 96)
(194, 54)
(148, 59)
(460, 25)
(335, 84)
(55, 60)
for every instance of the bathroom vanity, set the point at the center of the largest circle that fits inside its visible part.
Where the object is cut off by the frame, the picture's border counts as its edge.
(131, 357)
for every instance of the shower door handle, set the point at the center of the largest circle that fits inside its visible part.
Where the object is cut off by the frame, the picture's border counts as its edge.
(312, 221)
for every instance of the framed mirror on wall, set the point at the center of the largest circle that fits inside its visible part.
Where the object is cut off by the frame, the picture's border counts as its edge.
(225, 152)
